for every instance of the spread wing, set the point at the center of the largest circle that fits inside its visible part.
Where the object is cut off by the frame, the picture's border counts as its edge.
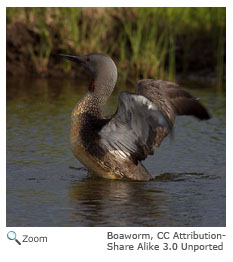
(185, 104)
(132, 130)
(172, 99)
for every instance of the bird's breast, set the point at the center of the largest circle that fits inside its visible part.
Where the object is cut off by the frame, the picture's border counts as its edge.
(82, 152)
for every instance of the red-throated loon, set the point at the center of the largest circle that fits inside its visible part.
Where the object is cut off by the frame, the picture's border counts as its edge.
(113, 147)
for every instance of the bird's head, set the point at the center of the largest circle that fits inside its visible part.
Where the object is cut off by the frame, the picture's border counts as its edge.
(98, 65)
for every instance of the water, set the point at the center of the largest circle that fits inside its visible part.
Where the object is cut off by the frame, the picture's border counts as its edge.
(47, 186)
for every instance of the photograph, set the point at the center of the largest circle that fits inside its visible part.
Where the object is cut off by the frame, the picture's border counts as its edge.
(115, 117)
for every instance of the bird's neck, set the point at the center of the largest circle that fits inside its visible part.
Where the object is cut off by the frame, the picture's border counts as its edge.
(92, 103)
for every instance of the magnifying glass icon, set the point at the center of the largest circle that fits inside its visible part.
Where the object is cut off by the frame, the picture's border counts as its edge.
(12, 236)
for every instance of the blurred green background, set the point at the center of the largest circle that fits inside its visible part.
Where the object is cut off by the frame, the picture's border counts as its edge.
(160, 43)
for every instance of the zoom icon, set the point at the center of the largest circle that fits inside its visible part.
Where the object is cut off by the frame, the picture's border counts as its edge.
(11, 235)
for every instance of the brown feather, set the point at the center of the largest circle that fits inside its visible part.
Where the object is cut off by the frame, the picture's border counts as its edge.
(184, 103)
(172, 101)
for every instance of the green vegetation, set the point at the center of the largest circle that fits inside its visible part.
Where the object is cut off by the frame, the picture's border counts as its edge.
(145, 42)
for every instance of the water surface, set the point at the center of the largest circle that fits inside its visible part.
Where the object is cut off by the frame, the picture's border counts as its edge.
(47, 186)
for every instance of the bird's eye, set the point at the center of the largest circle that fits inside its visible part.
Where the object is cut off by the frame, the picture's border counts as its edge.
(88, 59)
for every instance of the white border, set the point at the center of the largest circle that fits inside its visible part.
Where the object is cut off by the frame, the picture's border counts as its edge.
(119, 3)
(88, 244)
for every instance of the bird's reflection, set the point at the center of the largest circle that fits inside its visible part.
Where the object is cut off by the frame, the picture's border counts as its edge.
(101, 202)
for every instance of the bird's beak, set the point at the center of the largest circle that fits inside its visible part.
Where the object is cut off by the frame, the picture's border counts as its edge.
(77, 59)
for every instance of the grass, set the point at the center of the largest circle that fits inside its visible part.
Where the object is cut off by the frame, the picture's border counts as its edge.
(145, 42)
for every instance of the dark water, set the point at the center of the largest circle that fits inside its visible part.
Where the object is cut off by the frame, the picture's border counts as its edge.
(47, 186)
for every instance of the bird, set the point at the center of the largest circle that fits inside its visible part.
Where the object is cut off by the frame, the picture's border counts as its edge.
(114, 146)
